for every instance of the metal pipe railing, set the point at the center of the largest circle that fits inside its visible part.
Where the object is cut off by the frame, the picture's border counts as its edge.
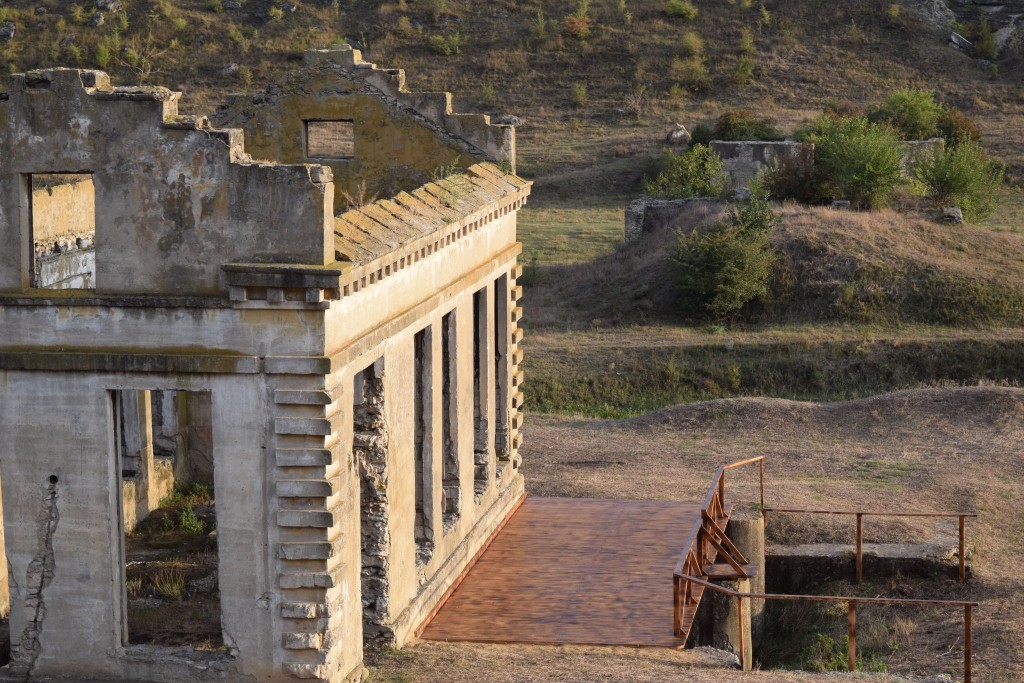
(851, 602)
(860, 515)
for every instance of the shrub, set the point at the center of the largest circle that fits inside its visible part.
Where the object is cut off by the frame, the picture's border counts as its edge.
(743, 74)
(859, 158)
(798, 178)
(721, 270)
(577, 25)
(681, 9)
(957, 127)
(578, 97)
(189, 523)
(446, 45)
(737, 125)
(103, 56)
(691, 72)
(747, 45)
(697, 172)
(963, 175)
(691, 44)
(539, 27)
(913, 113)
(986, 44)
(488, 95)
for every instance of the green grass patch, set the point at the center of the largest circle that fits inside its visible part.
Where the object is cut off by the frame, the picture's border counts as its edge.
(632, 379)
(557, 233)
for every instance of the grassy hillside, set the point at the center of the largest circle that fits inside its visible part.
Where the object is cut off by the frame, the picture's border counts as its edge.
(880, 268)
(594, 82)
(862, 303)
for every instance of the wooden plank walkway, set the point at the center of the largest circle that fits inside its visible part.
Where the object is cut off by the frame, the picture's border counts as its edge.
(572, 570)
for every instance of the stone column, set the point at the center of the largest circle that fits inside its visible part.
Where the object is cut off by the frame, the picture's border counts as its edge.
(725, 622)
(746, 531)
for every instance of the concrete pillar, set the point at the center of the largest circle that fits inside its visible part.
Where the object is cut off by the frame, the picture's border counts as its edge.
(746, 531)
(728, 627)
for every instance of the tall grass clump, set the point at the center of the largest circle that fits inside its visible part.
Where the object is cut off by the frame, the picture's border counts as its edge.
(697, 172)
(963, 175)
(681, 9)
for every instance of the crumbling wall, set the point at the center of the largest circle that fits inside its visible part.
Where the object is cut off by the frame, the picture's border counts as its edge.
(370, 447)
(401, 140)
(645, 214)
(914, 152)
(744, 160)
(175, 199)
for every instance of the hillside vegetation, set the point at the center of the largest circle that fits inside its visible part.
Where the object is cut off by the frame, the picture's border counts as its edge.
(881, 268)
(593, 81)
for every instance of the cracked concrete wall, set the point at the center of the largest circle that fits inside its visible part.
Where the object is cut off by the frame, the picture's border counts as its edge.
(174, 198)
(76, 629)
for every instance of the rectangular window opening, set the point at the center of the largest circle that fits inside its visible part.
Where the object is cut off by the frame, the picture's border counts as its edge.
(481, 393)
(451, 498)
(163, 443)
(502, 399)
(330, 139)
(423, 429)
(63, 230)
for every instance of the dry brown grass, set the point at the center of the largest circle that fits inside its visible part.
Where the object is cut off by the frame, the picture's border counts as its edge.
(471, 663)
(837, 266)
(943, 449)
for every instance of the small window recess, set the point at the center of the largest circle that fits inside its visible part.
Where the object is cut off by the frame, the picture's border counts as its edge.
(330, 139)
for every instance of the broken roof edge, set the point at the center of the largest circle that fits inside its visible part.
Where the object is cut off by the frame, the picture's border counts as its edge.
(489, 141)
(417, 228)
(366, 234)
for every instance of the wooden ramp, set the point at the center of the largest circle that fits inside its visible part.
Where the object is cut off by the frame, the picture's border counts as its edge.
(572, 570)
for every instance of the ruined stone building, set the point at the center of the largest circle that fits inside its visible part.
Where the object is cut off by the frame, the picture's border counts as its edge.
(306, 301)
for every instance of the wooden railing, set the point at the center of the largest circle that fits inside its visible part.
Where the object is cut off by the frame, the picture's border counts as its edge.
(852, 603)
(708, 539)
(860, 515)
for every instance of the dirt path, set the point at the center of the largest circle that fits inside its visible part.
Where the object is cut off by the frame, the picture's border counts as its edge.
(941, 449)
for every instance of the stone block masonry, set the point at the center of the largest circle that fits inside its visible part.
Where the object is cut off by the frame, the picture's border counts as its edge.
(244, 319)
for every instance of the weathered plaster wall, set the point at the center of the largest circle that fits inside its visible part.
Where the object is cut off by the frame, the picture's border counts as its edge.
(59, 482)
(402, 139)
(174, 198)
